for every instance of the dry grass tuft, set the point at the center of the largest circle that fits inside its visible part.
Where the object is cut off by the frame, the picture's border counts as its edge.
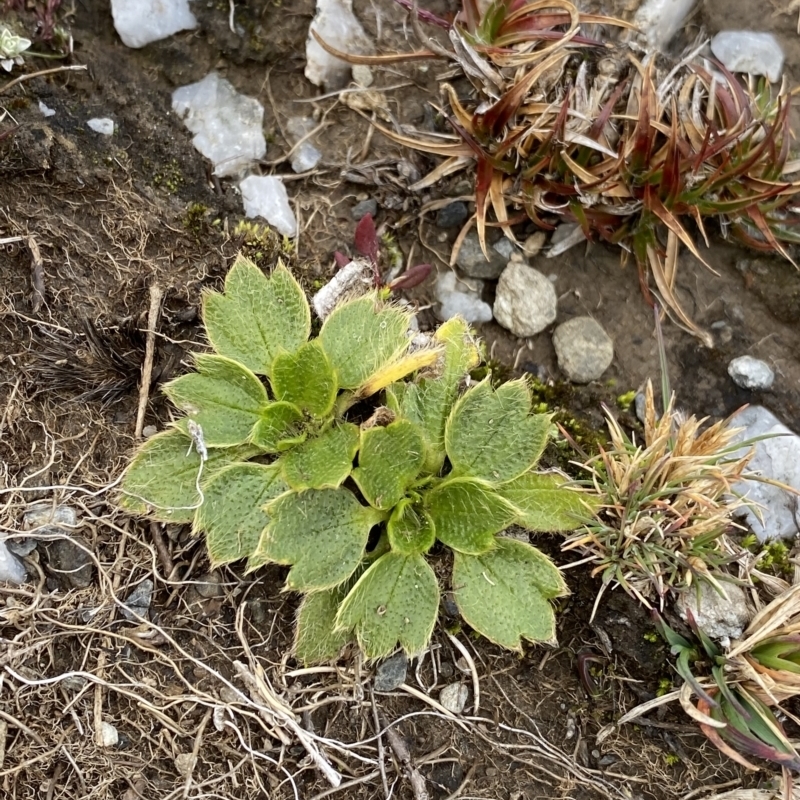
(664, 504)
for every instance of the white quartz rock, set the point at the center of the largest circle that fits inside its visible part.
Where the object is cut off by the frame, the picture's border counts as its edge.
(227, 126)
(11, 569)
(338, 26)
(139, 22)
(305, 156)
(722, 617)
(102, 125)
(461, 298)
(775, 512)
(660, 20)
(751, 373)
(265, 196)
(753, 52)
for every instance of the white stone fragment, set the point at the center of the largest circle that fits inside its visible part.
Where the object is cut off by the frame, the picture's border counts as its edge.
(362, 75)
(721, 618)
(140, 22)
(265, 196)
(776, 512)
(102, 125)
(227, 126)
(11, 568)
(583, 349)
(660, 20)
(526, 301)
(338, 26)
(46, 110)
(109, 736)
(461, 298)
(454, 697)
(565, 236)
(305, 155)
(753, 52)
(751, 373)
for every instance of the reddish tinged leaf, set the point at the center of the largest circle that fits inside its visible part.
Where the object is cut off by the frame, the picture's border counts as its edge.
(605, 113)
(742, 111)
(671, 175)
(497, 116)
(471, 14)
(366, 239)
(483, 184)
(425, 16)
(341, 259)
(537, 21)
(754, 212)
(411, 277)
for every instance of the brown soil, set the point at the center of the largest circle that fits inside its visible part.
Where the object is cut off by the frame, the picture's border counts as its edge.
(111, 217)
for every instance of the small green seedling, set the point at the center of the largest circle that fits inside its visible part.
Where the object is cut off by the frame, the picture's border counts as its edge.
(355, 459)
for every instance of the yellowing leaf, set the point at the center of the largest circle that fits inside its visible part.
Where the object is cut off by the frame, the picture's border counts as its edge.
(399, 369)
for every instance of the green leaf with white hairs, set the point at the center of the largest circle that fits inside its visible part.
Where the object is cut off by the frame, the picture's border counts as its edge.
(395, 600)
(316, 637)
(491, 434)
(410, 529)
(388, 461)
(232, 514)
(162, 480)
(362, 336)
(428, 401)
(467, 513)
(322, 462)
(224, 398)
(306, 379)
(544, 503)
(279, 427)
(257, 318)
(322, 533)
(505, 593)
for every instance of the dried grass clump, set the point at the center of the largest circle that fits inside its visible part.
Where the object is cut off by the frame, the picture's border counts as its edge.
(664, 505)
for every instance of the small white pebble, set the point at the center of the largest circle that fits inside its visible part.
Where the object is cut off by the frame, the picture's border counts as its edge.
(109, 736)
(102, 125)
(46, 110)
(362, 75)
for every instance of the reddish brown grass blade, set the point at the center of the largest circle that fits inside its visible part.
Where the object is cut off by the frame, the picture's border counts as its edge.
(391, 58)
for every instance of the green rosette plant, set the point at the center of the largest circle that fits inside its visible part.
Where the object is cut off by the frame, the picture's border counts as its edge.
(357, 458)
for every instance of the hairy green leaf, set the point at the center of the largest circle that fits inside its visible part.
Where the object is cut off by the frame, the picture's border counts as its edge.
(467, 513)
(257, 317)
(395, 600)
(321, 532)
(324, 461)
(306, 379)
(388, 461)
(363, 335)
(543, 503)
(232, 513)
(279, 428)
(317, 638)
(428, 402)
(410, 529)
(490, 434)
(222, 397)
(162, 479)
(504, 593)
